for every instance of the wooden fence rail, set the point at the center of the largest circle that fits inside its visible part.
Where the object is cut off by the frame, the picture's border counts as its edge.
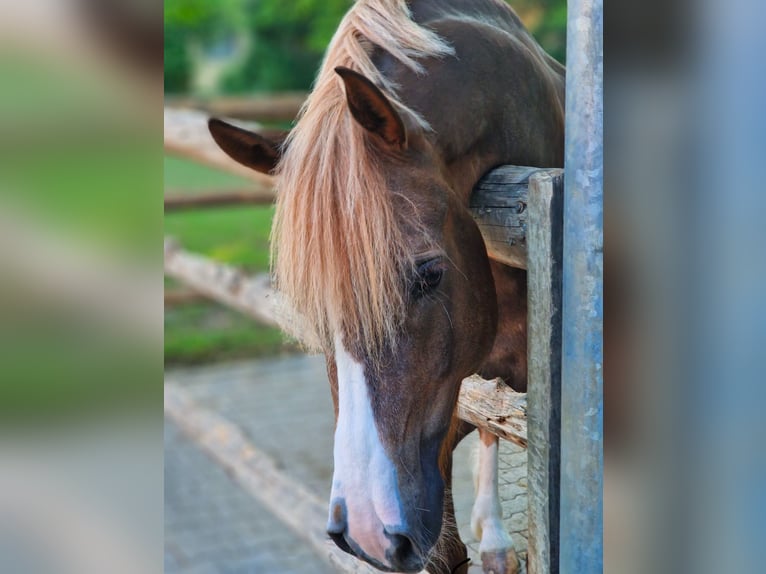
(267, 108)
(179, 200)
(252, 296)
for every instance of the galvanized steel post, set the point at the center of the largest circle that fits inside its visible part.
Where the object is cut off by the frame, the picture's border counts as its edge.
(581, 521)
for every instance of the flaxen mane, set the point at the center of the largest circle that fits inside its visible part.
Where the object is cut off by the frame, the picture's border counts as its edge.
(338, 252)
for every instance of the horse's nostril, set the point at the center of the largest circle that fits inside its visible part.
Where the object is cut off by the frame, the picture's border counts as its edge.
(402, 553)
(401, 545)
(340, 541)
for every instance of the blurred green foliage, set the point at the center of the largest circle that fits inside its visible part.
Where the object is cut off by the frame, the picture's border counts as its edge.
(549, 26)
(195, 22)
(287, 45)
(178, 65)
(285, 41)
(204, 19)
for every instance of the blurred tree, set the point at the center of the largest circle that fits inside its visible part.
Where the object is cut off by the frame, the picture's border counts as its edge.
(204, 20)
(195, 22)
(547, 20)
(287, 44)
(177, 62)
(287, 39)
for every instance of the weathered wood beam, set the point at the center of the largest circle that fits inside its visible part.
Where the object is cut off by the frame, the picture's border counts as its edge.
(178, 200)
(267, 108)
(258, 474)
(187, 136)
(546, 207)
(499, 206)
(252, 296)
(494, 406)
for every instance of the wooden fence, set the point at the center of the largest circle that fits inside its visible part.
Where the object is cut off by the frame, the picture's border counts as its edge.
(519, 212)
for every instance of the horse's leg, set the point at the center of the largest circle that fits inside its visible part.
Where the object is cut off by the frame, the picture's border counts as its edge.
(496, 547)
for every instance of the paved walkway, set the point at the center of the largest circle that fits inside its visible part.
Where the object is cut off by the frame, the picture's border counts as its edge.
(213, 527)
(283, 405)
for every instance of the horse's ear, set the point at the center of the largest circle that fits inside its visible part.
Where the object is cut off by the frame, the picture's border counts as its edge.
(372, 109)
(246, 147)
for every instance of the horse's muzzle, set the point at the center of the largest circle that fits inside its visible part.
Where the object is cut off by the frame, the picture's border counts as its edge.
(401, 553)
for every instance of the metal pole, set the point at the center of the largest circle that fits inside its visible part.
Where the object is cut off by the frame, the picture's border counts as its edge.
(581, 531)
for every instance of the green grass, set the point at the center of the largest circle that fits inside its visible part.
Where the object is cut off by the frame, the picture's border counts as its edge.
(239, 236)
(180, 173)
(203, 332)
(235, 235)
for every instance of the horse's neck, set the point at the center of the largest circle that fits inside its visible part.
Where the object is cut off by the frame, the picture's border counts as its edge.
(508, 356)
(484, 114)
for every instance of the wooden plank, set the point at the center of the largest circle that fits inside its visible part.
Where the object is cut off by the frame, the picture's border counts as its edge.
(187, 136)
(499, 206)
(494, 406)
(288, 500)
(263, 108)
(544, 266)
(179, 200)
(223, 283)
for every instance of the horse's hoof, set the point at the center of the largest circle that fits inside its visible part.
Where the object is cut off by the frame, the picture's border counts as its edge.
(500, 562)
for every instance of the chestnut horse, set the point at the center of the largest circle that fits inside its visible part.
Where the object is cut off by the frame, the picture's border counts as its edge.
(375, 251)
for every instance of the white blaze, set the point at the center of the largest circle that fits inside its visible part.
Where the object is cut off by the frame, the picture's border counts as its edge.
(364, 477)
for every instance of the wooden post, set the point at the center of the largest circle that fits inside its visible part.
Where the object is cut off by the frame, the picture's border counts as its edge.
(544, 261)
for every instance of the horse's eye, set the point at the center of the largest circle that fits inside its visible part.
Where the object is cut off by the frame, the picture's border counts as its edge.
(429, 275)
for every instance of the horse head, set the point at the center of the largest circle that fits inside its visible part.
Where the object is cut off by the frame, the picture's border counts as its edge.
(424, 265)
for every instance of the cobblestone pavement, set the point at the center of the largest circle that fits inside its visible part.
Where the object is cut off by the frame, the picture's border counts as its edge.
(213, 527)
(283, 405)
